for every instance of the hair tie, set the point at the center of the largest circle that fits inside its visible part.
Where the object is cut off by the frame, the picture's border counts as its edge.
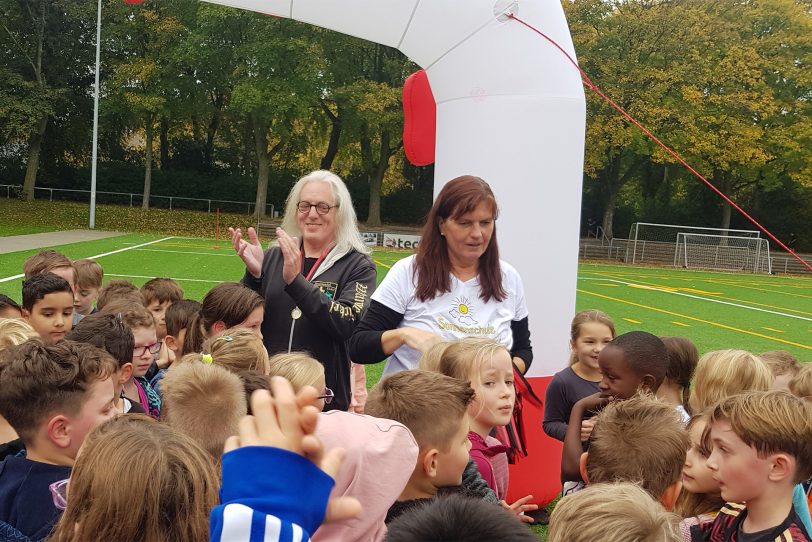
(226, 338)
(207, 359)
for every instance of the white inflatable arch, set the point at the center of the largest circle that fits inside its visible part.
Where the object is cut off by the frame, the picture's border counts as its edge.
(510, 109)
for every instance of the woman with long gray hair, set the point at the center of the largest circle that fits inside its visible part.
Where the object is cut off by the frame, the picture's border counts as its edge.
(316, 281)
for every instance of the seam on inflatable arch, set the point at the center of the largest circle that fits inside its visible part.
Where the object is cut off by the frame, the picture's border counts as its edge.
(456, 45)
(494, 96)
(408, 24)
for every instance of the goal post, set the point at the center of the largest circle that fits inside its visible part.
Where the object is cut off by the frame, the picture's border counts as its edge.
(654, 243)
(722, 252)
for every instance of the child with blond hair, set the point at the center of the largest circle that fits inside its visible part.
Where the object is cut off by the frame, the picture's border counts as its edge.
(611, 512)
(301, 369)
(13, 332)
(205, 402)
(701, 496)
(89, 276)
(782, 365)
(762, 448)
(238, 350)
(723, 373)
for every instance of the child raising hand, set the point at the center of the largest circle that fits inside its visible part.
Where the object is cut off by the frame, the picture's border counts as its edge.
(279, 436)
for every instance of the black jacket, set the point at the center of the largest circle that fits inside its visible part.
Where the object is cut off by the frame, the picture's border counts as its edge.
(26, 505)
(332, 304)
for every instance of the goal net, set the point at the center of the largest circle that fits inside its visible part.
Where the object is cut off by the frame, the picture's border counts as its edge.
(722, 252)
(655, 243)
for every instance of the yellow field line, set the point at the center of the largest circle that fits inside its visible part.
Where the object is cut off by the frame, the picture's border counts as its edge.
(681, 324)
(695, 319)
(726, 298)
(383, 264)
(633, 321)
(771, 329)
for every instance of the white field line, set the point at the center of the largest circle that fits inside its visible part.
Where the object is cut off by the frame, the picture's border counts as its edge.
(645, 287)
(97, 256)
(186, 252)
(172, 278)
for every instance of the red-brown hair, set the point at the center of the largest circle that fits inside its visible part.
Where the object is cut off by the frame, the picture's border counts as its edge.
(432, 264)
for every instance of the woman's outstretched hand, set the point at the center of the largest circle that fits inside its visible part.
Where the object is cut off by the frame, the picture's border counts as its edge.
(250, 252)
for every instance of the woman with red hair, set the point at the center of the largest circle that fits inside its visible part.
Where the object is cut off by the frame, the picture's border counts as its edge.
(455, 286)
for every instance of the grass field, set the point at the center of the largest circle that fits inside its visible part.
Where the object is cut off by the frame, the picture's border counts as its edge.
(716, 310)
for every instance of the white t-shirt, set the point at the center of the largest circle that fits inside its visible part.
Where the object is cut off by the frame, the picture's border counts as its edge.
(453, 315)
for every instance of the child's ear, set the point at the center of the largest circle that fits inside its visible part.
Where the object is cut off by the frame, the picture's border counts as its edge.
(26, 314)
(648, 382)
(59, 431)
(582, 466)
(783, 467)
(171, 342)
(669, 497)
(125, 372)
(429, 463)
(218, 327)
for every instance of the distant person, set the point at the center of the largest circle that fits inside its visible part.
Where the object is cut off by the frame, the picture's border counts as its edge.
(89, 275)
(317, 281)
(455, 286)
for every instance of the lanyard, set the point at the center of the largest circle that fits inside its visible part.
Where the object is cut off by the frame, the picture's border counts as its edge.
(315, 265)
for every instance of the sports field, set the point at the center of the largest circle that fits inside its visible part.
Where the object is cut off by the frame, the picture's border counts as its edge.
(715, 310)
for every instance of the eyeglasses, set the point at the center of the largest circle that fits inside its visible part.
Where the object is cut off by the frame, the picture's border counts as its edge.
(327, 394)
(153, 348)
(59, 493)
(321, 207)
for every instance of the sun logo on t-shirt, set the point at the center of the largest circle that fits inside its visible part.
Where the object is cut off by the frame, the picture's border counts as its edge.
(462, 311)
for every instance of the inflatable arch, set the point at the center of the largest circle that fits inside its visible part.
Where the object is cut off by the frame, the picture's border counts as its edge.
(510, 109)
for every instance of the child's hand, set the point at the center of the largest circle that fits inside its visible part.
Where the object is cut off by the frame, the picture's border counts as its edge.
(288, 421)
(251, 253)
(592, 403)
(586, 428)
(519, 507)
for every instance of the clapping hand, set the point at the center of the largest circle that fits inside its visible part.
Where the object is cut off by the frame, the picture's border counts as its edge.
(291, 255)
(251, 253)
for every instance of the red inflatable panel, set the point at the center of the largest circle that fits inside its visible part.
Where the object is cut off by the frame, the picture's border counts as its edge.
(539, 473)
(419, 119)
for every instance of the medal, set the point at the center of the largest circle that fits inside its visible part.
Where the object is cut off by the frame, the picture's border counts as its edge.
(296, 313)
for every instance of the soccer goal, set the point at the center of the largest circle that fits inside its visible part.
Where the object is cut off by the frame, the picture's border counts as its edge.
(722, 252)
(650, 243)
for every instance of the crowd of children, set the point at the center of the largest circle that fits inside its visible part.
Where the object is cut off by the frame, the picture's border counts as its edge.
(133, 414)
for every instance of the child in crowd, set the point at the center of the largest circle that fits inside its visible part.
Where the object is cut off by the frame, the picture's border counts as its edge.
(48, 306)
(723, 373)
(110, 333)
(258, 502)
(486, 366)
(89, 275)
(50, 261)
(52, 396)
(253, 381)
(300, 369)
(380, 455)
(630, 362)
(434, 407)
(701, 497)
(13, 332)
(160, 294)
(682, 359)
(590, 332)
(177, 318)
(458, 518)
(801, 383)
(142, 323)
(121, 291)
(227, 305)
(9, 308)
(782, 365)
(639, 440)
(163, 489)
(762, 448)
(238, 350)
(204, 402)
(611, 512)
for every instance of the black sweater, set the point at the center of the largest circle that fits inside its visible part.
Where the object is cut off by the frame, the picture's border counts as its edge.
(332, 303)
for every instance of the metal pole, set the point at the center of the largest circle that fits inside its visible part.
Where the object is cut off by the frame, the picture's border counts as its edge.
(92, 224)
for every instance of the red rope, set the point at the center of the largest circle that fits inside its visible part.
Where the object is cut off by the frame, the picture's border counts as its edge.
(588, 82)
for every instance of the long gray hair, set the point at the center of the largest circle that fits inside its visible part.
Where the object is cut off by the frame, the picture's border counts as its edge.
(347, 235)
